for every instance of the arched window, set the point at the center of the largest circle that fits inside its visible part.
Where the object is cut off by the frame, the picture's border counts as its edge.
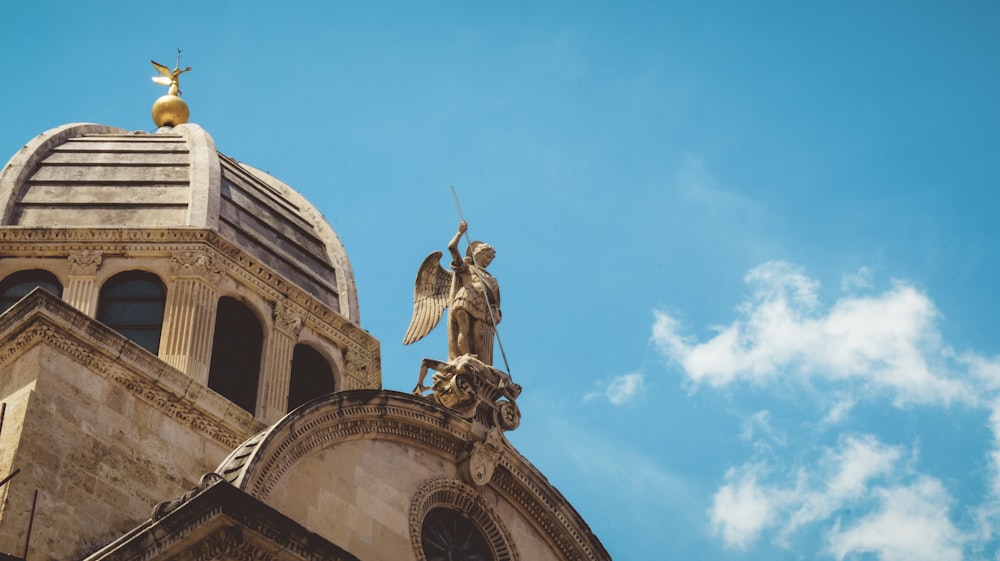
(312, 376)
(236, 350)
(451, 534)
(132, 303)
(19, 284)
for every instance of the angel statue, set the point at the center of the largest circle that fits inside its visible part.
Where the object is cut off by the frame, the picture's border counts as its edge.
(168, 78)
(471, 295)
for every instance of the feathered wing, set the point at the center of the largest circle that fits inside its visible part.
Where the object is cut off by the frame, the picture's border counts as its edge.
(430, 297)
(162, 69)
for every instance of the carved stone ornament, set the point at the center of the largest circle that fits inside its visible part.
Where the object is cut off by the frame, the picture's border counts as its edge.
(472, 389)
(286, 321)
(84, 263)
(195, 264)
(167, 507)
(484, 458)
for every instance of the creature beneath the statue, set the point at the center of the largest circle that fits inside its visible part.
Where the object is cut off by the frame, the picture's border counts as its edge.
(471, 294)
(462, 384)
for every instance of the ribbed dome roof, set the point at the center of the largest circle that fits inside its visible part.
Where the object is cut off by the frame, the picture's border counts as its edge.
(95, 176)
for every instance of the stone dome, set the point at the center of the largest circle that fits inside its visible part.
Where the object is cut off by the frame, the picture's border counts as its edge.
(94, 176)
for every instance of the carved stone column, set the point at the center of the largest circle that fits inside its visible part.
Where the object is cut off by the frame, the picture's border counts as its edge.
(189, 317)
(278, 363)
(80, 290)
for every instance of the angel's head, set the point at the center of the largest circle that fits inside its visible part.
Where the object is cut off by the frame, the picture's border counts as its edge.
(481, 253)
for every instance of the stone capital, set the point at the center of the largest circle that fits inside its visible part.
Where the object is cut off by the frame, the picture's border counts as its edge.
(197, 264)
(84, 262)
(286, 321)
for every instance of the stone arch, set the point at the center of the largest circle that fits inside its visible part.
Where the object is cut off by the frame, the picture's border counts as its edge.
(456, 496)
(237, 353)
(132, 303)
(18, 284)
(312, 374)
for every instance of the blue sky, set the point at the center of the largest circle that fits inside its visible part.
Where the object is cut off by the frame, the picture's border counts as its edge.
(747, 250)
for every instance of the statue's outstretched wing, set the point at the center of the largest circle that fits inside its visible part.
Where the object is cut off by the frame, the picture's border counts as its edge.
(163, 70)
(430, 297)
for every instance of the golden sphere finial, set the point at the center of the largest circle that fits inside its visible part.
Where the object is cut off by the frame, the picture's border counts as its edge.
(170, 110)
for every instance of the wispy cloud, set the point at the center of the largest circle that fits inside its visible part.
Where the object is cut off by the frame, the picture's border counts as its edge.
(884, 342)
(696, 184)
(621, 389)
(858, 280)
(839, 411)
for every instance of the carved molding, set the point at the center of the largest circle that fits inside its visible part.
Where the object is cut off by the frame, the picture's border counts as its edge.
(539, 507)
(362, 360)
(215, 546)
(219, 522)
(167, 507)
(84, 262)
(258, 465)
(455, 495)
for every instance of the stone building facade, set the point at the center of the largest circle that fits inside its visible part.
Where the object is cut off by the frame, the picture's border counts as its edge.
(183, 375)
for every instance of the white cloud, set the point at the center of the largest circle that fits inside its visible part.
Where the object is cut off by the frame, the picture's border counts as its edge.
(912, 524)
(869, 498)
(741, 509)
(744, 506)
(988, 513)
(849, 471)
(621, 389)
(883, 342)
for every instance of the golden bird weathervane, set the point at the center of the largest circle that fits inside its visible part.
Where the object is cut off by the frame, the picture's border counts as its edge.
(170, 110)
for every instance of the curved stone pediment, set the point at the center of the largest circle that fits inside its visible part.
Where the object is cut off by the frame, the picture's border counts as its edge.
(354, 467)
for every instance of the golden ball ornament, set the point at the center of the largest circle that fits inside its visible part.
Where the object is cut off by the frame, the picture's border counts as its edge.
(170, 111)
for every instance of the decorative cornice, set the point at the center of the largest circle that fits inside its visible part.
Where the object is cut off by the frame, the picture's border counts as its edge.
(352, 423)
(565, 535)
(216, 521)
(166, 507)
(261, 462)
(362, 360)
(84, 262)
